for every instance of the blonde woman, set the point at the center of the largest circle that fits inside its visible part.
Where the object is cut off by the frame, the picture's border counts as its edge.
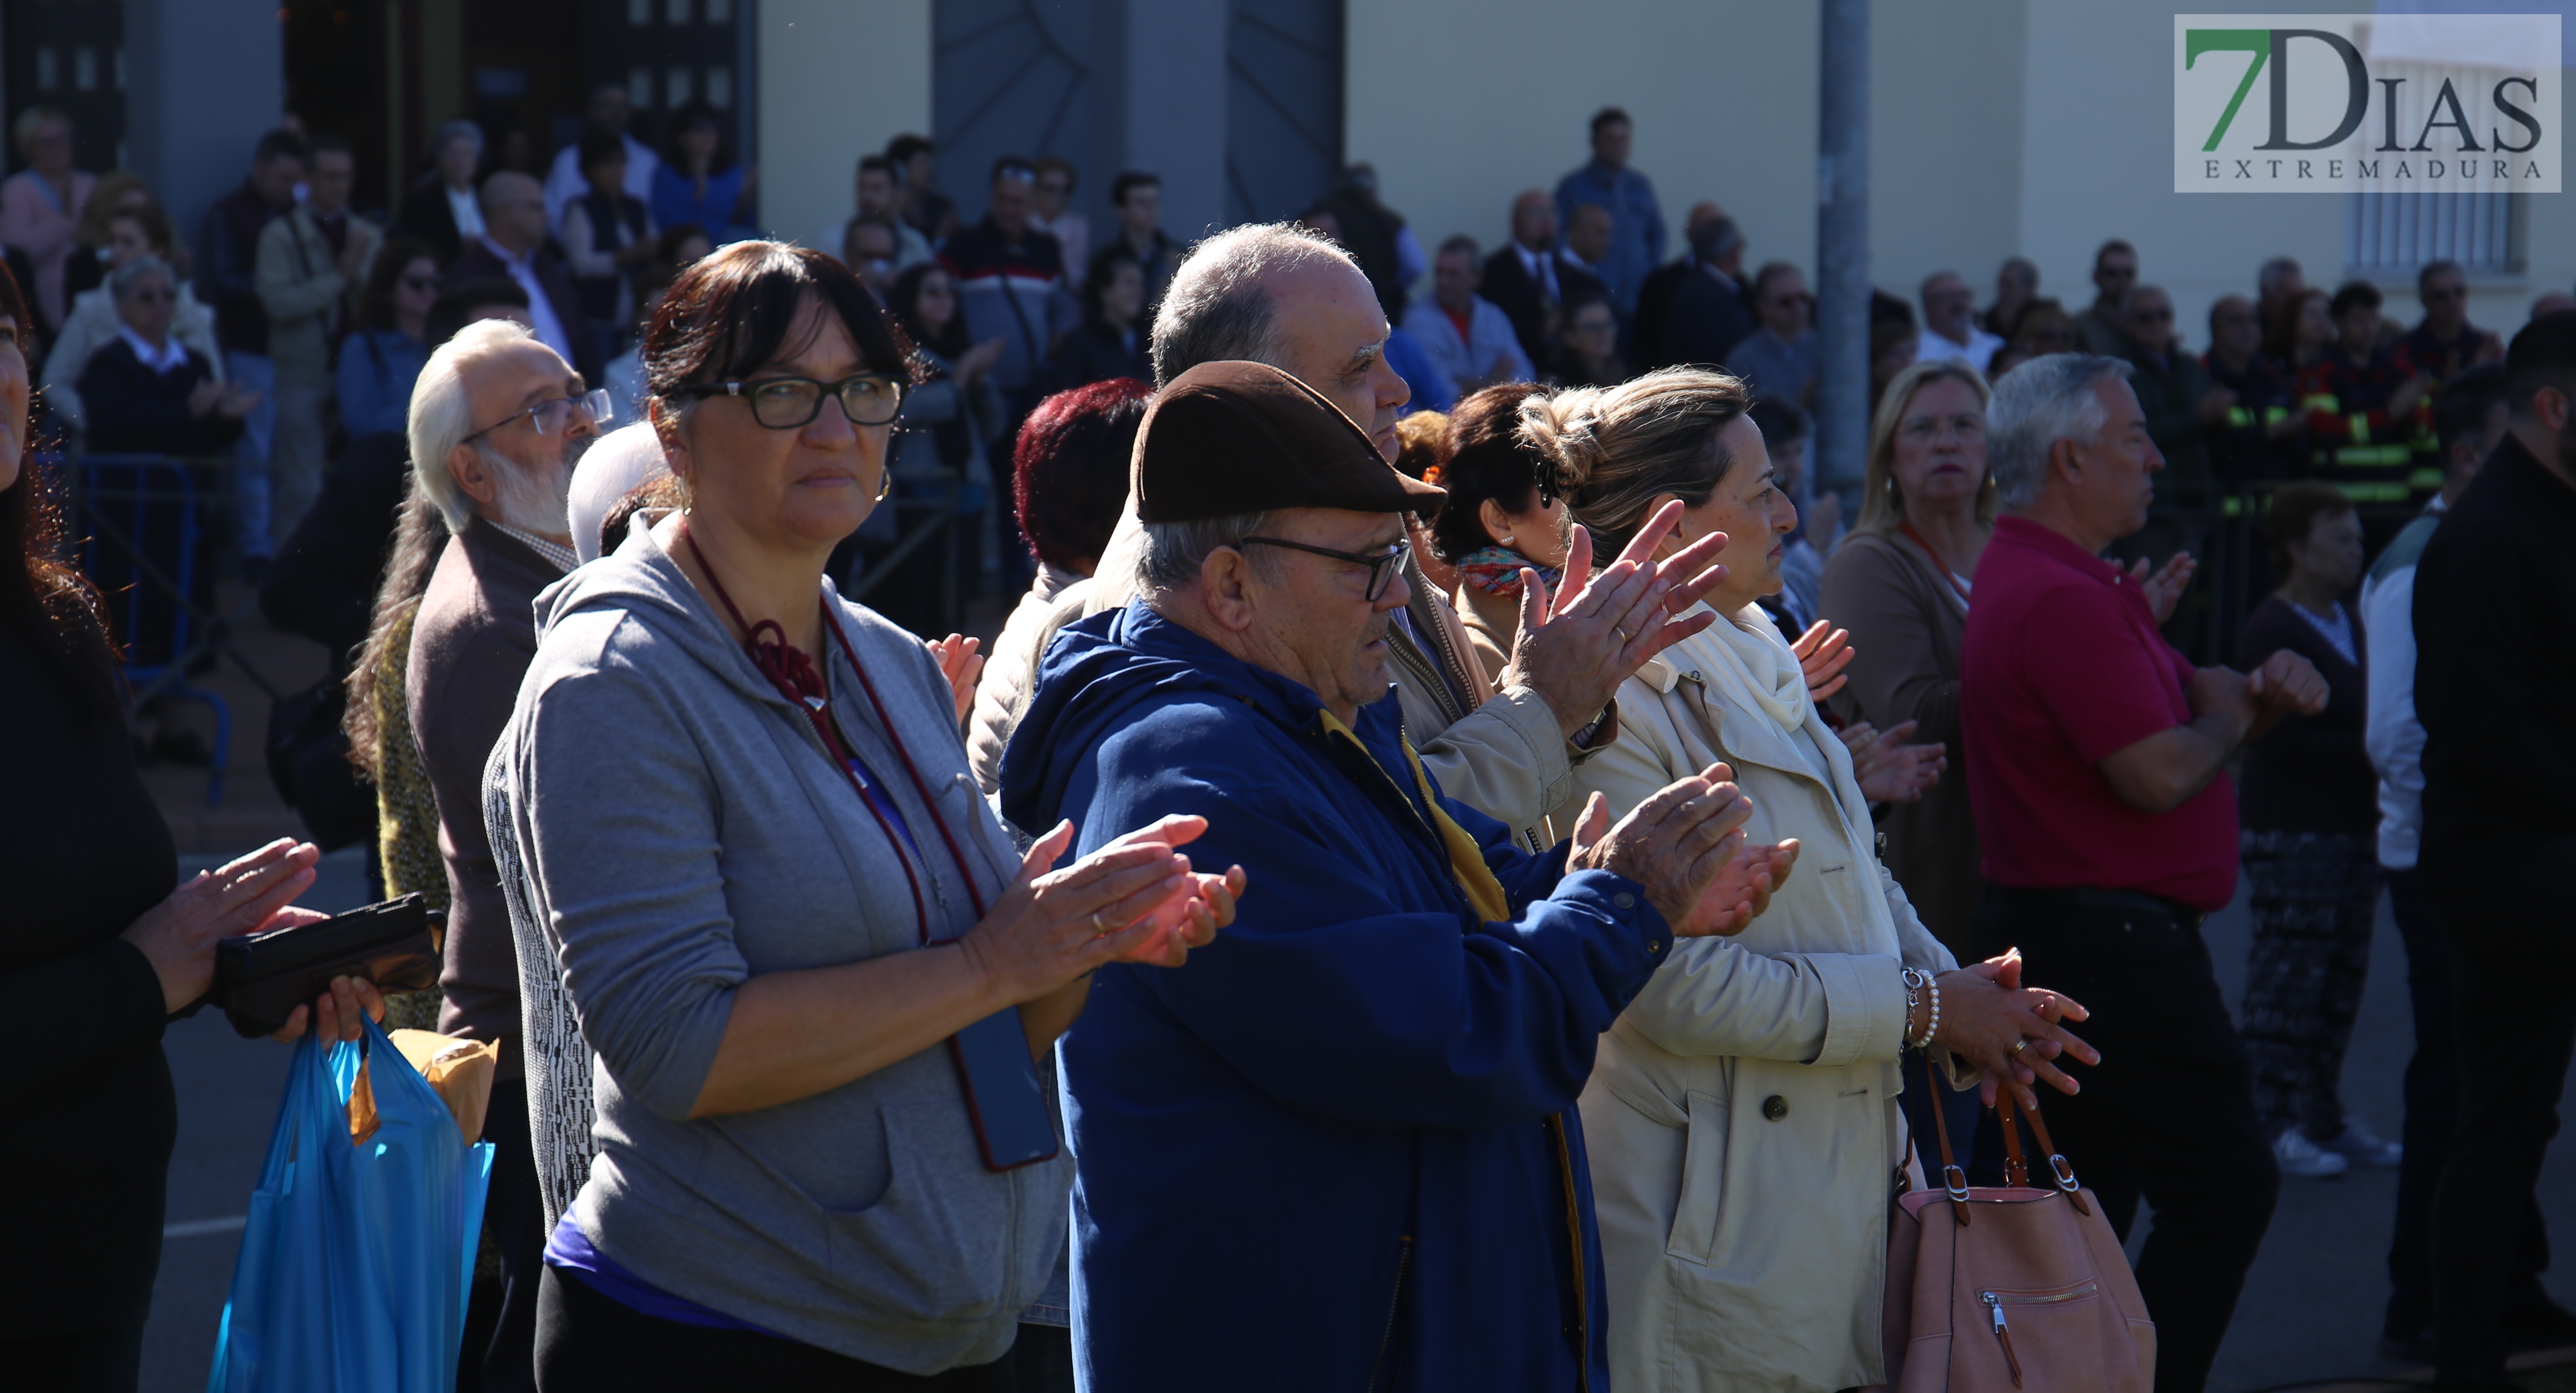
(1900, 585)
(1742, 1116)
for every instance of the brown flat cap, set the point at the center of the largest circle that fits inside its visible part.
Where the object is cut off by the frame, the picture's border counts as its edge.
(1230, 438)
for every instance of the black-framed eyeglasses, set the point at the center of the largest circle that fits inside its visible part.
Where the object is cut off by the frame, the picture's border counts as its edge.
(787, 403)
(1382, 565)
(548, 417)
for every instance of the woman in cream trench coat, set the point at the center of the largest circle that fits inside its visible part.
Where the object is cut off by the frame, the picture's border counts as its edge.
(1741, 1117)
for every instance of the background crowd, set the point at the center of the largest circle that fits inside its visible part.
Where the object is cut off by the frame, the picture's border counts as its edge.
(405, 429)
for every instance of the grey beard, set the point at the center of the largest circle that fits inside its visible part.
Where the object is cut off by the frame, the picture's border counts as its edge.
(532, 497)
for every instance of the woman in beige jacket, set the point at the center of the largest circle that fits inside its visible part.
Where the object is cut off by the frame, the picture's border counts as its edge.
(1741, 1117)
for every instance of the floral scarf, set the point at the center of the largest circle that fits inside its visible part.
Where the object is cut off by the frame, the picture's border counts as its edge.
(1497, 571)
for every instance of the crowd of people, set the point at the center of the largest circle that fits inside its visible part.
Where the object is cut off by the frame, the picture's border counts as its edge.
(1543, 1022)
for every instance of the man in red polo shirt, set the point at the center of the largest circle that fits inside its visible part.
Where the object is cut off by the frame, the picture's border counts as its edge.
(2095, 757)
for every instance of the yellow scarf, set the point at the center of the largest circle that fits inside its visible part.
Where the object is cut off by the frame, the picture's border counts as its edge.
(1466, 860)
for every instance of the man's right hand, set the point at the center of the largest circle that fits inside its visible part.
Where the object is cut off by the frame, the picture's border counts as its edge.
(2286, 684)
(2221, 691)
(1675, 845)
(1574, 649)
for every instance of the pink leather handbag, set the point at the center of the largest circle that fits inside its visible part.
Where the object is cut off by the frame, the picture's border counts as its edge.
(2017, 1287)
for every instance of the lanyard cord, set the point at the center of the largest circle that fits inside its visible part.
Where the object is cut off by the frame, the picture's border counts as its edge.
(919, 788)
(793, 674)
(1949, 577)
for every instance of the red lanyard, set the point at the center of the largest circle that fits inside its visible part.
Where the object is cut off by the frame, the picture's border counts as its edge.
(793, 673)
(1948, 577)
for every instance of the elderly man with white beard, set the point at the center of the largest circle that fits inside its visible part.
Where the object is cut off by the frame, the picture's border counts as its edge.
(497, 420)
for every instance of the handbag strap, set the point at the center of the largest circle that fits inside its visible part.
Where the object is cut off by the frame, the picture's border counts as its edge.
(2057, 1162)
(2016, 1168)
(1953, 1179)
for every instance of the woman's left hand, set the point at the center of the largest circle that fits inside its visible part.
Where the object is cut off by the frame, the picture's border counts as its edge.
(2014, 1033)
(334, 1014)
(1823, 652)
(1888, 769)
(961, 665)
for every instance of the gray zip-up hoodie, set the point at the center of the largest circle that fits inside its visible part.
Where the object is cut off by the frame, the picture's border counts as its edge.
(681, 829)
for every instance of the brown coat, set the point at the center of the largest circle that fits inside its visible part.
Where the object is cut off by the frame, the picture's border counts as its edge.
(1905, 620)
(472, 642)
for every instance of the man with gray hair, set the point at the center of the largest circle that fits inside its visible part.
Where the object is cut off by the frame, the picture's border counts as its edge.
(1276, 294)
(441, 207)
(497, 421)
(514, 245)
(2096, 771)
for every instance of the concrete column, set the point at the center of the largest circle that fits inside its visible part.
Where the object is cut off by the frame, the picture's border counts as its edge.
(1170, 93)
(1842, 250)
(204, 79)
(836, 81)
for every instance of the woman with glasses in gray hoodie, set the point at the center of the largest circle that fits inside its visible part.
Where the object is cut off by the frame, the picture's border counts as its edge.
(819, 983)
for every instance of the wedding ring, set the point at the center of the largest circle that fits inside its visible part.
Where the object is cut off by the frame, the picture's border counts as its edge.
(1622, 633)
(1099, 929)
(2018, 1045)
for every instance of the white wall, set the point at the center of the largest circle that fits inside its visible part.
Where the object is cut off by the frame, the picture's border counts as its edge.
(837, 80)
(2038, 127)
(1461, 109)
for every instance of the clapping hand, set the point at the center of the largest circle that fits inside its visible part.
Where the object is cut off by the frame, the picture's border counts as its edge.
(1889, 770)
(1823, 652)
(1575, 648)
(2012, 1032)
(2164, 586)
(2286, 684)
(1677, 845)
(961, 665)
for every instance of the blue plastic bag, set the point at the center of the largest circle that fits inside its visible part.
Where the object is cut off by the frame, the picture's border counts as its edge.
(355, 1263)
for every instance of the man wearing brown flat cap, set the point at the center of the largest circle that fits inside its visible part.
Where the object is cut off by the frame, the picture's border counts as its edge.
(1341, 1149)
(1286, 297)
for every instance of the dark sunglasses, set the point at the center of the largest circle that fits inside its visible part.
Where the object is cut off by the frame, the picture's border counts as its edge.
(1382, 565)
(787, 403)
(1548, 491)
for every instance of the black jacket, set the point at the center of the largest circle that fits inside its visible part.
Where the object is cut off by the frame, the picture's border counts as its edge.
(1705, 322)
(1655, 294)
(322, 582)
(477, 262)
(1094, 353)
(133, 409)
(1524, 299)
(92, 1115)
(426, 215)
(2309, 773)
(2495, 644)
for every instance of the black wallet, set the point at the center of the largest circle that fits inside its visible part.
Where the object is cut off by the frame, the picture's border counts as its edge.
(261, 978)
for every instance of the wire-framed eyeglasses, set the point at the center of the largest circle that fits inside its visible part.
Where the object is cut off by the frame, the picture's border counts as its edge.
(787, 403)
(548, 417)
(1382, 565)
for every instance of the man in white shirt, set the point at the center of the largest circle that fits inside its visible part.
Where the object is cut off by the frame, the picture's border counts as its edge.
(1468, 336)
(2470, 418)
(513, 245)
(609, 111)
(1950, 324)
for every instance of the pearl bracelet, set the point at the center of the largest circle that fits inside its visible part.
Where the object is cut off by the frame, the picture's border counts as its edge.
(1916, 980)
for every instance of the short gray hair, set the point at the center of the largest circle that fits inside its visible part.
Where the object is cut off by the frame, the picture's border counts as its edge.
(1217, 308)
(1175, 551)
(120, 282)
(2045, 400)
(442, 413)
